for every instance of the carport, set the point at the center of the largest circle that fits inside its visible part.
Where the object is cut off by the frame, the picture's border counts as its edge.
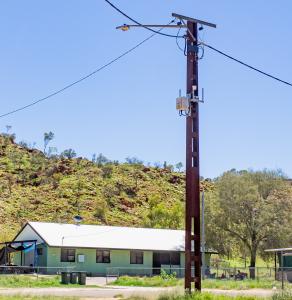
(24, 249)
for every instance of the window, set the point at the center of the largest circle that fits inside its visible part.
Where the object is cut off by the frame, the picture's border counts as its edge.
(136, 257)
(39, 251)
(165, 258)
(103, 256)
(67, 255)
(170, 258)
(175, 258)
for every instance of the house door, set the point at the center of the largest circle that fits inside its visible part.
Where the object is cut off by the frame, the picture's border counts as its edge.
(156, 263)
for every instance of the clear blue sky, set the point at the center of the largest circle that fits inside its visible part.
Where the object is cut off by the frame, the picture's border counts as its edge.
(129, 108)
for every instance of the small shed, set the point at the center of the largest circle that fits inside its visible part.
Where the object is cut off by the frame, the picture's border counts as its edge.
(282, 256)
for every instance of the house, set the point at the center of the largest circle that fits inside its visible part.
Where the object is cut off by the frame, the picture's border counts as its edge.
(98, 249)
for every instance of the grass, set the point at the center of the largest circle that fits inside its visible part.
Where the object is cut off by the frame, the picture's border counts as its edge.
(209, 296)
(16, 281)
(158, 281)
(22, 297)
(155, 281)
(197, 296)
(29, 281)
(240, 284)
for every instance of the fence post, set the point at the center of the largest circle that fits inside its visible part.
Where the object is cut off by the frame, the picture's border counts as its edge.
(282, 265)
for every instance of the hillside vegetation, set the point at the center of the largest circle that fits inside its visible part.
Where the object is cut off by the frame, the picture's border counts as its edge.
(36, 187)
(246, 211)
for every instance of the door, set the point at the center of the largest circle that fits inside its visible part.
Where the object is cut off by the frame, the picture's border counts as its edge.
(156, 263)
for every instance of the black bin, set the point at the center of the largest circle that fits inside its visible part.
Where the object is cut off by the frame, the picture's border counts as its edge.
(82, 278)
(65, 277)
(73, 277)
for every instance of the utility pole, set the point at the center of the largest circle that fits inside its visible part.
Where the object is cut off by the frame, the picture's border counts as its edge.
(193, 258)
(192, 217)
(189, 106)
(203, 243)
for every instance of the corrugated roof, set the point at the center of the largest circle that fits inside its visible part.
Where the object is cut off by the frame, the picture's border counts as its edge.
(110, 237)
(278, 250)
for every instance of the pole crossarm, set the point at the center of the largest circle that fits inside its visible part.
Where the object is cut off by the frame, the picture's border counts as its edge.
(182, 17)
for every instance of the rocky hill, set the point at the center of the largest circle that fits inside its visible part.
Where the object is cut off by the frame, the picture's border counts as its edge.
(35, 187)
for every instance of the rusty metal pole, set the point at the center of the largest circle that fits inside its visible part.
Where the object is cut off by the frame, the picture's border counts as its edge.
(192, 221)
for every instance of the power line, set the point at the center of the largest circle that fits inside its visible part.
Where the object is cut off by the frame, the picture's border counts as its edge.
(138, 23)
(210, 47)
(247, 65)
(79, 80)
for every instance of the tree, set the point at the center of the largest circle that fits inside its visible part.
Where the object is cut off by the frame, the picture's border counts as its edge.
(162, 216)
(68, 153)
(48, 136)
(252, 207)
(179, 165)
(134, 161)
(167, 166)
(100, 160)
(8, 128)
(52, 152)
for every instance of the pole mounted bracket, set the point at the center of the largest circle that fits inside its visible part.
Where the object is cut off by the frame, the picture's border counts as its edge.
(194, 98)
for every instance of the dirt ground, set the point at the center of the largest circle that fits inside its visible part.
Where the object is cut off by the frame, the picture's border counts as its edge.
(114, 292)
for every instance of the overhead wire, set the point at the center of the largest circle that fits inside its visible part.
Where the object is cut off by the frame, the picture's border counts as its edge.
(247, 65)
(132, 49)
(82, 78)
(176, 40)
(138, 23)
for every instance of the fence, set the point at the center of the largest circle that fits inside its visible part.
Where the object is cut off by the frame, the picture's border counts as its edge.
(33, 270)
(248, 272)
(234, 273)
(138, 271)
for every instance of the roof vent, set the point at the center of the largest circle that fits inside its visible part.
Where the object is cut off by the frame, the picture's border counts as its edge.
(78, 219)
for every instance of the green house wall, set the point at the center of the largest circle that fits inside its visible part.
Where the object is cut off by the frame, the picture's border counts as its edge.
(119, 258)
(119, 263)
(50, 262)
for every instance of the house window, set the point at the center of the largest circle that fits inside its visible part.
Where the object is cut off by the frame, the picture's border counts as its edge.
(103, 256)
(165, 258)
(170, 258)
(39, 251)
(175, 258)
(67, 255)
(136, 257)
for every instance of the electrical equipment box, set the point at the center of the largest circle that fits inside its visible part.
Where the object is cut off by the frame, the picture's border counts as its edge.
(182, 103)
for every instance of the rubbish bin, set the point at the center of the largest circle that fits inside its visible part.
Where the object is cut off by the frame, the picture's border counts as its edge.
(82, 278)
(73, 277)
(65, 277)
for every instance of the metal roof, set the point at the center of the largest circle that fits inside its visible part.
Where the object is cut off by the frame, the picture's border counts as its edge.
(278, 250)
(109, 237)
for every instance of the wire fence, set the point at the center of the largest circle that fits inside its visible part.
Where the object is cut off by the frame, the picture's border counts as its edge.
(222, 273)
(14, 270)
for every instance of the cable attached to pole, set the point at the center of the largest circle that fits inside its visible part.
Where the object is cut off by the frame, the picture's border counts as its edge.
(138, 23)
(247, 65)
(81, 79)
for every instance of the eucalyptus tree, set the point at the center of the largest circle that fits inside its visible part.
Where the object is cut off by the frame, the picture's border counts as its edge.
(253, 207)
